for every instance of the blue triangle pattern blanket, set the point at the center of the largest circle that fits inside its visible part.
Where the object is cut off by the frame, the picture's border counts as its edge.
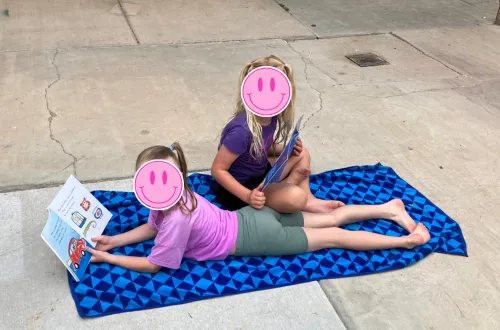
(108, 289)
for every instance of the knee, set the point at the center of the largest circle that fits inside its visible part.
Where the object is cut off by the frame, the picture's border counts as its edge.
(297, 199)
(305, 152)
(306, 155)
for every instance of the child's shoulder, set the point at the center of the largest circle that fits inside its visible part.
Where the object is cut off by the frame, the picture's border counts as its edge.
(238, 120)
(238, 125)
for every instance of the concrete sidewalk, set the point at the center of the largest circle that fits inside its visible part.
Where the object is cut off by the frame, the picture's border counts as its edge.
(87, 85)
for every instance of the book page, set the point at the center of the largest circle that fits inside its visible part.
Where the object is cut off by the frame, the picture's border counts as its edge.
(80, 210)
(67, 244)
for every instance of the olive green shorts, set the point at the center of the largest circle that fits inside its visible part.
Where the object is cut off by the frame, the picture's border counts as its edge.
(266, 232)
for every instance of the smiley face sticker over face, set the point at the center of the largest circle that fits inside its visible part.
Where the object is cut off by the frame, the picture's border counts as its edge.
(158, 184)
(266, 91)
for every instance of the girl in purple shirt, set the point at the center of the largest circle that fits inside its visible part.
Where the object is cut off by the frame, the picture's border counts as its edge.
(196, 229)
(247, 146)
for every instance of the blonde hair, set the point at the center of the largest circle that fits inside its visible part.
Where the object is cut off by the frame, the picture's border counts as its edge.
(285, 118)
(162, 152)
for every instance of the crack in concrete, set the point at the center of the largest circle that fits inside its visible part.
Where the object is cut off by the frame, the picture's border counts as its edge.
(477, 84)
(202, 42)
(18, 248)
(395, 95)
(320, 96)
(455, 304)
(124, 12)
(415, 92)
(424, 53)
(478, 103)
(52, 114)
(282, 6)
(52, 184)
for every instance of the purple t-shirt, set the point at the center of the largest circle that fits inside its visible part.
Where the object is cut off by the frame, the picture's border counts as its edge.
(209, 235)
(237, 138)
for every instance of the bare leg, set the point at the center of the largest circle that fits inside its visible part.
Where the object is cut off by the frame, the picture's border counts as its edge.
(293, 172)
(321, 238)
(393, 210)
(313, 205)
(285, 197)
(297, 172)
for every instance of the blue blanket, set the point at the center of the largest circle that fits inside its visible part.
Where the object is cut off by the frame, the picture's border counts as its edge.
(108, 289)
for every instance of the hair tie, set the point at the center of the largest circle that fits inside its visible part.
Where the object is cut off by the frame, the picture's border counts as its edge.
(171, 148)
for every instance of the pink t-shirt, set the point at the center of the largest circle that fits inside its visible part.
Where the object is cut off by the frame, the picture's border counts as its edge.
(209, 235)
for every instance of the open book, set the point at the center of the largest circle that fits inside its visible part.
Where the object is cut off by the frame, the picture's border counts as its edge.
(75, 216)
(274, 174)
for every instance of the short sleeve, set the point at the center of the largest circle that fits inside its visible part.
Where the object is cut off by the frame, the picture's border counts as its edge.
(236, 140)
(170, 243)
(153, 215)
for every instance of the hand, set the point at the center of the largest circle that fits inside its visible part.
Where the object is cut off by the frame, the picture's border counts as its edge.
(339, 204)
(98, 256)
(104, 243)
(256, 198)
(297, 148)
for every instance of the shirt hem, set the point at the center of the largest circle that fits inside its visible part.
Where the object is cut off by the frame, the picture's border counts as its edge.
(161, 264)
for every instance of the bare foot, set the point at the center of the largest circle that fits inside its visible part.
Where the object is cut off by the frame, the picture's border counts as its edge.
(418, 237)
(298, 175)
(315, 205)
(399, 215)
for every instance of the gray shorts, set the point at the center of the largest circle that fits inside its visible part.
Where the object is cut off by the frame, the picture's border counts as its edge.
(266, 232)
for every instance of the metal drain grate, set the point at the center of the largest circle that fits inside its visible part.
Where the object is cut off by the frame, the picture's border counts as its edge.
(367, 59)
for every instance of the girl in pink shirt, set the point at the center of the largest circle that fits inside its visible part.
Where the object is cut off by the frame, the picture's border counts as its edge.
(196, 229)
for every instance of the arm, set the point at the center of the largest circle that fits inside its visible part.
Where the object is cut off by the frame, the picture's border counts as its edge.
(167, 252)
(220, 167)
(139, 264)
(297, 149)
(136, 235)
(139, 234)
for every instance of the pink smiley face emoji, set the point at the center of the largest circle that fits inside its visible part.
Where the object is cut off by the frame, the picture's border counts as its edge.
(266, 91)
(158, 184)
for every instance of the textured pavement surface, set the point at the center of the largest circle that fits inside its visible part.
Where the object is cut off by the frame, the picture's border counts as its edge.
(86, 85)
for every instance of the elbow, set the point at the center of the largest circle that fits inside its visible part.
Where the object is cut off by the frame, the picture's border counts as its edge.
(215, 171)
(153, 269)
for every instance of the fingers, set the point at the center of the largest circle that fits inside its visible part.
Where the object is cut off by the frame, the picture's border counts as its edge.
(258, 206)
(96, 256)
(257, 198)
(258, 202)
(297, 148)
(260, 199)
(97, 238)
(89, 250)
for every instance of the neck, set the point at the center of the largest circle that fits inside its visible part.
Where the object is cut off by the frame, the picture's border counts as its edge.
(264, 120)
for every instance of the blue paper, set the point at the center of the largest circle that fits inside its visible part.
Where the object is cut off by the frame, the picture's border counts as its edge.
(274, 174)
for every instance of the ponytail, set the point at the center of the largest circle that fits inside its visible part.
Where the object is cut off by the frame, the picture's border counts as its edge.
(183, 167)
